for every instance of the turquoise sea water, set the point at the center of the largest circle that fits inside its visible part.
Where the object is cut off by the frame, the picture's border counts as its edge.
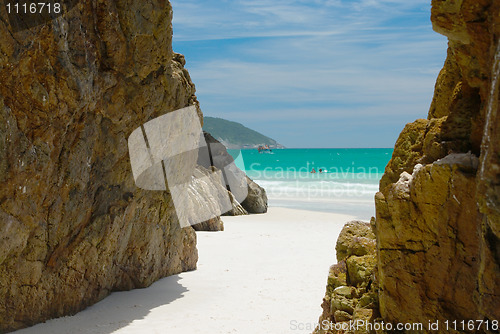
(347, 185)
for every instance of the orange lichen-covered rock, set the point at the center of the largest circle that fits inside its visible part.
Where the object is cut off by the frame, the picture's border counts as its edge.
(438, 209)
(73, 225)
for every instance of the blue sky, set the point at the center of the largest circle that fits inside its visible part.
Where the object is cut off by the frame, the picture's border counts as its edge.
(312, 73)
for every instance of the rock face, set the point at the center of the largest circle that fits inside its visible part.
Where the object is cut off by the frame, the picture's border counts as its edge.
(256, 201)
(438, 209)
(73, 226)
(428, 237)
(351, 291)
(256, 197)
(201, 196)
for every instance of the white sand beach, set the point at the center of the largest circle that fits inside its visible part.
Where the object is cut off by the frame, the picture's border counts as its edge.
(263, 274)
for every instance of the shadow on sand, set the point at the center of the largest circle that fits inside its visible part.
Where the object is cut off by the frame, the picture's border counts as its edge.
(114, 312)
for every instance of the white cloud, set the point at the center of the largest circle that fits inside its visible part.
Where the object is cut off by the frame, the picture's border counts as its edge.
(294, 62)
(194, 20)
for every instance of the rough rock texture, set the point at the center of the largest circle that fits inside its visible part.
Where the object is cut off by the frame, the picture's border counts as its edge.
(256, 201)
(351, 291)
(428, 239)
(237, 210)
(212, 225)
(219, 154)
(438, 209)
(73, 226)
(356, 239)
(203, 197)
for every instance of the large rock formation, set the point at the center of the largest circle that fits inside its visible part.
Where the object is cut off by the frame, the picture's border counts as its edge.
(256, 201)
(351, 290)
(73, 225)
(438, 209)
(254, 198)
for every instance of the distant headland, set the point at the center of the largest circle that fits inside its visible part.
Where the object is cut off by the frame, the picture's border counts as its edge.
(235, 135)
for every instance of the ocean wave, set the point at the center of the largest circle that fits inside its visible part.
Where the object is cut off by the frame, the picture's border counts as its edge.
(360, 178)
(319, 189)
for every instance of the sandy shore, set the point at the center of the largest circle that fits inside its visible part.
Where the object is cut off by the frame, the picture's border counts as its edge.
(263, 274)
